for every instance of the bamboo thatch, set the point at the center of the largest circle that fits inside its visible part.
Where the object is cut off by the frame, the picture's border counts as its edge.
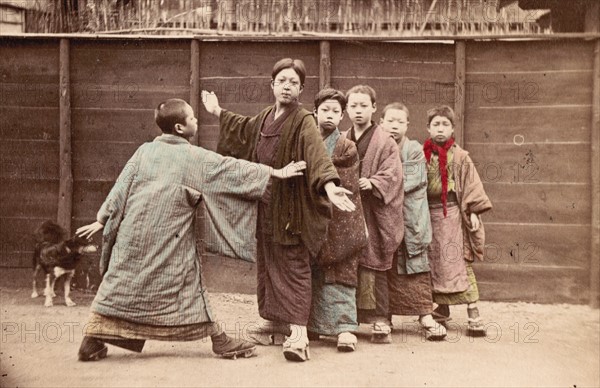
(353, 17)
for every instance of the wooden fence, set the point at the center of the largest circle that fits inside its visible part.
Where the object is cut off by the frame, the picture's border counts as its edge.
(74, 109)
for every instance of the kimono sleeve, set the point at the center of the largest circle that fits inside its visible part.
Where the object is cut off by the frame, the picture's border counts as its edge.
(214, 174)
(389, 168)
(116, 199)
(230, 189)
(474, 200)
(237, 134)
(414, 168)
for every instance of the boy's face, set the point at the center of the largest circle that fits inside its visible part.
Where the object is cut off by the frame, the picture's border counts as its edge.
(190, 126)
(360, 109)
(440, 129)
(395, 122)
(286, 86)
(329, 114)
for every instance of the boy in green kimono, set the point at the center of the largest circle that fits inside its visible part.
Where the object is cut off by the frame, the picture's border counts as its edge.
(152, 286)
(335, 269)
(409, 279)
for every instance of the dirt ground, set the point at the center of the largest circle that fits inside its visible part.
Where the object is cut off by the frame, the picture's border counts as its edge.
(527, 345)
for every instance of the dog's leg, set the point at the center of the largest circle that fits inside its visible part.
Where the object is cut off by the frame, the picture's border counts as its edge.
(52, 293)
(67, 287)
(36, 270)
(48, 291)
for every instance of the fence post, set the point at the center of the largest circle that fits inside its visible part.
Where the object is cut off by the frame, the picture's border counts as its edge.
(195, 83)
(595, 139)
(460, 91)
(325, 65)
(65, 191)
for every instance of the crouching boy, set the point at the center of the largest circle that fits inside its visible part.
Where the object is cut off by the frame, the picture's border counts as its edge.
(152, 287)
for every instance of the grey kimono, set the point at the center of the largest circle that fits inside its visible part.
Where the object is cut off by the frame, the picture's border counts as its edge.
(417, 223)
(152, 270)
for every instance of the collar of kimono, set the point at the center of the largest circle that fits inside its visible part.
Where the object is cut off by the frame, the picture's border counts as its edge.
(442, 151)
(331, 140)
(171, 139)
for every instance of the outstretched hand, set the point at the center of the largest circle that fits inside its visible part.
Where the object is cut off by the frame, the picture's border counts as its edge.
(291, 170)
(211, 102)
(339, 197)
(88, 231)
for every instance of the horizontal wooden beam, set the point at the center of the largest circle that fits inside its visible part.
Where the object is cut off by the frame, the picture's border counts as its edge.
(309, 37)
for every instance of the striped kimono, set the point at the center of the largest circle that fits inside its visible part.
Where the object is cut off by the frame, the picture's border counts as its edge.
(152, 270)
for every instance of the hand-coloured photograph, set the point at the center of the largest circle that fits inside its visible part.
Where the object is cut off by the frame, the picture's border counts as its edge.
(299, 193)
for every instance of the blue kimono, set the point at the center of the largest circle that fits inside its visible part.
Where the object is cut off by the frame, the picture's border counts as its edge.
(151, 267)
(417, 223)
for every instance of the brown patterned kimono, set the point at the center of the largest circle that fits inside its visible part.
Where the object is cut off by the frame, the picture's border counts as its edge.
(294, 215)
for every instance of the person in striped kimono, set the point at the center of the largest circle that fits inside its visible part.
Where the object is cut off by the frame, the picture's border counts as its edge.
(152, 286)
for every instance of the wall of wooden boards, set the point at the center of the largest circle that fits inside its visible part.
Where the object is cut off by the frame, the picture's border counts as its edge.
(526, 114)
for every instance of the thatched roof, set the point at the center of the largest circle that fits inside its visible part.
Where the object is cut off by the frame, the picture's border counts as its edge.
(25, 4)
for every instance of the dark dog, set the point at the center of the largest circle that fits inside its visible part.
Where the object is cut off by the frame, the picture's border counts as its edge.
(57, 256)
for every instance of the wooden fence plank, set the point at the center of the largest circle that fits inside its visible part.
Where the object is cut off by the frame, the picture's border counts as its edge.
(571, 124)
(516, 244)
(425, 61)
(29, 123)
(539, 203)
(516, 56)
(325, 68)
(29, 62)
(121, 65)
(499, 283)
(254, 59)
(595, 176)
(26, 159)
(29, 198)
(129, 96)
(195, 81)
(119, 125)
(101, 161)
(29, 95)
(16, 242)
(528, 91)
(65, 191)
(90, 196)
(531, 163)
(459, 92)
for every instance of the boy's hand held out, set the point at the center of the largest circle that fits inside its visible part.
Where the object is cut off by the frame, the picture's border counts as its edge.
(211, 102)
(474, 222)
(88, 231)
(291, 170)
(339, 197)
(365, 184)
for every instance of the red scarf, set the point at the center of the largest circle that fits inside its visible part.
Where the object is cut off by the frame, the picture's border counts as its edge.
(442, 152)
